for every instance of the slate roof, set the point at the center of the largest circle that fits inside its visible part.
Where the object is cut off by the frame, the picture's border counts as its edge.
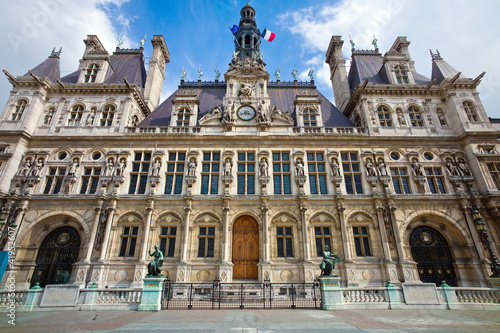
(442, 70)
(211, 96)
(48, 68)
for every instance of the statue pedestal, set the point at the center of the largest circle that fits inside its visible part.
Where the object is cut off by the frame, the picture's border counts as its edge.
(331, 294)
(151, 294)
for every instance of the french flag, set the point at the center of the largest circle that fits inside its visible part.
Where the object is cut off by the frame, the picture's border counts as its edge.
(268, 35)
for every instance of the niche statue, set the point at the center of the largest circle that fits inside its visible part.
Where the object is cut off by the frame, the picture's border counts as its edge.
(328, 264)
(155, 266)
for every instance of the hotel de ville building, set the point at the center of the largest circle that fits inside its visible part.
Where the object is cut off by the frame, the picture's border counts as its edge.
(248, 179)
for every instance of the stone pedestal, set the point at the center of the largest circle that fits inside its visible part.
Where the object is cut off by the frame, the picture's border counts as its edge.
(225, 272)
(151, 294)
(392, 296)
(331, 294)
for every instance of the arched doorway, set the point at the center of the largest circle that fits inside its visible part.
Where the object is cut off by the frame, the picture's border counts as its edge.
(58, 252)
(432, 253)
(245, 248)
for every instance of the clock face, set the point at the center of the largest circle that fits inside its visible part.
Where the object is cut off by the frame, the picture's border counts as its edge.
(246, 113)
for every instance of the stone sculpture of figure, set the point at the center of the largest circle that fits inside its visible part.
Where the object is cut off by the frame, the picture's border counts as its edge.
(217, 74)
(192, 167)
(25, 168)
(370, 169)
(351, 41)
(183, 73)
(329, 260)
(90, 119)
(120, 167)
(263, 167)
(73, 167)
(200, 74)
(294, 73)
(263, 113)
(155, 172)
(216, 111)
(277, 74)
(246, 89)
(401, 118)
(277, 111)
(335, 168)
(110, 168)
(442, 119)
(463, 167)
(452, 168)
(35, 171)
(311, 74)
(143, 40)
(155, 266)
(48, 117)
(417, 168)
(259, 55)
(235, 54)
(300, 168)
(374, 42)
(227, 167)
(382, 169)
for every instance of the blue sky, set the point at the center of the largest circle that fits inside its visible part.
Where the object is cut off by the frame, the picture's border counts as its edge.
(197, 33)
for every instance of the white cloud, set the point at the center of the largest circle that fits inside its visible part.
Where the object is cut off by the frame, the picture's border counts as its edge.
(465, 34)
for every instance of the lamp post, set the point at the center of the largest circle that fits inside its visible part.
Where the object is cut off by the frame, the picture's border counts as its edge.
(481, 229)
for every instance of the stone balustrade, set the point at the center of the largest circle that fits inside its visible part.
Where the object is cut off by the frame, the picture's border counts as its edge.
(364, 295)
(120, 296)
(477, 295)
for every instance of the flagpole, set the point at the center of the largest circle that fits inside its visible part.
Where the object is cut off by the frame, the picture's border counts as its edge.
(234, 36)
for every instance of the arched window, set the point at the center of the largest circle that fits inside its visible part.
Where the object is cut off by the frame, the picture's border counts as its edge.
(470, 111)
(19, 110)
(415, 116)
(75, 116)
(247, 41)
(91, 73)
(309, 117)
(107, 115)
(401, 74)
(384, 116)
(183, 117)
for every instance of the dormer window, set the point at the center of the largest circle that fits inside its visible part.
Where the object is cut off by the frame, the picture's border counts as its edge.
(310, 118)
(75, 116)
(183, 117)
(91, 73)
(19, 110)
(108, 115)
(415, 116)
(384, 116)
(401, 74)
(470, 111)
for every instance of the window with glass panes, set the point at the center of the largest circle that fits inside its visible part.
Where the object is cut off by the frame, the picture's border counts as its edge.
(384, 116)
(90, 179)
(140, 172)
(309, 117)
(323, 238)
(183, 117)
(352, 173)
(284, 241)
(317, 172)
(91, 73)
(107, 115)
(281, 173)
(246, 173)
(210, 173)
(470, 111)
(19, 110)
(129, 241)
(362, 241)
(435, 179)
(175, 172)
(54, 180)
(401, 75)
(400, 180)
(415, 117)
(75, 116)
(494, 169)
(167, 241)
(206, 241)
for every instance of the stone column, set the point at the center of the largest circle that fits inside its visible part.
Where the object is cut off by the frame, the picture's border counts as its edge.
(343, 230)
(475, 236)
(107, 232)
(8, 232)
(147, 227)
(383, 234)
(397, 235)
(305, 232)
(265, 233)
(185, 240)
(93, 233)
(225, 234)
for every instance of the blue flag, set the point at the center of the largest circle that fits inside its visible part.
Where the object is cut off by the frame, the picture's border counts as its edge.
(234, 29)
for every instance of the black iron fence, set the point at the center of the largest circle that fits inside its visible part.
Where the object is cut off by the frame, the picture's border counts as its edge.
(218, 295)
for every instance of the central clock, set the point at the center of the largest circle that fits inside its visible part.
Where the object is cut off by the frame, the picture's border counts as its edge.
(246, 113)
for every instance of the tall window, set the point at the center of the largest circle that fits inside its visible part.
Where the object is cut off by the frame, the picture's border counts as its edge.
(19, 109)
(470, 111)
(284, 239)
(415, 116)
(309, 116)
(401, 74)
(91, 73)
(384, 116)
(362, 241)
(210, 173)
(183, 117)
(167, 241)
(400, 180)
(54, 180)
(246, 173)
(90, 179)
(317, 172)
(206, 240)
(129, 240)
(75, 116)
(107, 115)
(175, 172)
(436, 180)
(139, 174)
(352, 173)
(323, 237)
(494, 169)
(281, 173)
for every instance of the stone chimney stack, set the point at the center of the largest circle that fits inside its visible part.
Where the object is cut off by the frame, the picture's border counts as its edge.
(156, 72)
(338, 73)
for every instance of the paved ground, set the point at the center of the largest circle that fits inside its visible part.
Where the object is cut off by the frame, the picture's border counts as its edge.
(256, 321)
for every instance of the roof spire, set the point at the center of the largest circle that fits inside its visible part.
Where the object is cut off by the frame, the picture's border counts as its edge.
(436, 55)
(55, 54)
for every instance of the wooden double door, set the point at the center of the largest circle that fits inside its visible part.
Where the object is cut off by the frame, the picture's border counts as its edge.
(245, 248)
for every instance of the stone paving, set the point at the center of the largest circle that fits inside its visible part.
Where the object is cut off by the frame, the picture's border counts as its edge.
(255, 321)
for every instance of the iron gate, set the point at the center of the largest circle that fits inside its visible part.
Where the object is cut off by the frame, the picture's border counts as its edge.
(218, 295)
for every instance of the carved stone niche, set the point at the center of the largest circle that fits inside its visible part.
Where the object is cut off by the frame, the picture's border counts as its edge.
(191, 170)
(227, 170)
